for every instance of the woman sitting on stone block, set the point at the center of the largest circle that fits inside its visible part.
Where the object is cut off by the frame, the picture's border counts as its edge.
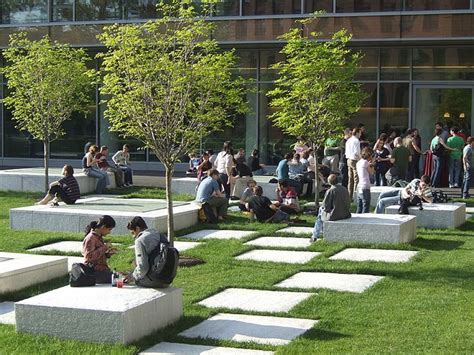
(66, 189)
(96, 251)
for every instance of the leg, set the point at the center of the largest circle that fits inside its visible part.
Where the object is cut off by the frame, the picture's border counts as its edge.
(350, 182)
(220, 204)
(224, 179)
(360, 202)
(366, 201)
(451, 171)
(318, 225)
(280, 216)
(100, 187)
(118, 173)
(457, 172)
(344, 173)
(388, 198)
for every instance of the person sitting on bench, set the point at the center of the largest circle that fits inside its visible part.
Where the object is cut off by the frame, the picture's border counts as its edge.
(208, 192)
(66, 189)
(264, 209)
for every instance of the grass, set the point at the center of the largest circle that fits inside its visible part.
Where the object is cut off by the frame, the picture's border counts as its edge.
(148, 192)
(424, 306)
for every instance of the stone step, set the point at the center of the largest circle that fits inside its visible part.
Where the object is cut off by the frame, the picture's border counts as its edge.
(218, 234)
(165, 348)
(279, 256)
(383, 255)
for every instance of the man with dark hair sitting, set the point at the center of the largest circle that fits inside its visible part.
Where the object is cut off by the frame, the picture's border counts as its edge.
(263, 209)
(209, 193)
(147, 241)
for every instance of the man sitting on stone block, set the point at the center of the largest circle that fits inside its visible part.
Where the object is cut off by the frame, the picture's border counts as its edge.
(209, 193)
(264, 209)
(417, 187)
(147, 241)
(336, 206)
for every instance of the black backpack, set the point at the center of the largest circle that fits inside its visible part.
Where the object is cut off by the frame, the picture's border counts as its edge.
(81, 275)
(439, 197)
(163, 263)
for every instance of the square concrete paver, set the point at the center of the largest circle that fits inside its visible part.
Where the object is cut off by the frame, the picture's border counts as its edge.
(279, 256)
(64, 247)
(280, 242)
(246, 328)
(7, 313)
(332, 281)
(181, 246)
(255, 300)
(165, 348)
(297, 230)
(388, 256)
(218, 234)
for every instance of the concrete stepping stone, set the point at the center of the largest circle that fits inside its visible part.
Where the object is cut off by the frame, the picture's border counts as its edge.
(7, 313)
(218, 234)
(255, 300)
(64, 247)
(470, 209)
(181, 246)
(165, 348)
(280, 242)
(245, 328)
(297, 230)
(388, 256)
(332, 281)
(279, 256)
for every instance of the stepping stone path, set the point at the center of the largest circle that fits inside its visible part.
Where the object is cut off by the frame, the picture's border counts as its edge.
(188, 349)
(181, 246)
(280, 242)
(218, 234)
(388, 256)
(255, 300)
(245, 328)
(279, 256)
(297, 230)
(332, 281)
(7, 313)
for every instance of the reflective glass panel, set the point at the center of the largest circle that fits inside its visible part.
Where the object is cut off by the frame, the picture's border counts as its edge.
(267, 59)
(395, 64)
(227, 8)
(368, 5)
(23, 11)
(368, 65)
(436, 4)
(87, 10)
(63, 10)
(394, 107)
(141, 9)
(317, 5)
(271, 7)
(367, 114)
(247, 63)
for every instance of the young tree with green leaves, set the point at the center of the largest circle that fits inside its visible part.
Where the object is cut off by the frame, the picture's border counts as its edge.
(169, 85)
(315, 92)
(48, 81)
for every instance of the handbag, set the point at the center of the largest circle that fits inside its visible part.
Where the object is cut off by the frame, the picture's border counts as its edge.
(82, 275)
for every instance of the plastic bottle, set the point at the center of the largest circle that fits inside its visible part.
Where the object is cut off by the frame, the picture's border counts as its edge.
(114, 278)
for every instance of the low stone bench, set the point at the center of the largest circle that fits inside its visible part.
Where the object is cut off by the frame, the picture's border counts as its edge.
(436, 215)
(100, 313)
(32, 180)
(375, 192)
(371, 228)
(18, 271)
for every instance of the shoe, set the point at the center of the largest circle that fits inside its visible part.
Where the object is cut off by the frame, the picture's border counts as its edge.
(451, 186)
(456, 186)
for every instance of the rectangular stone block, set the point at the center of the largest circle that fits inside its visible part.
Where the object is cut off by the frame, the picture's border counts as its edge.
(436, 215)
(18, 271)
(371, 228)
(100, 313)
(375, 192)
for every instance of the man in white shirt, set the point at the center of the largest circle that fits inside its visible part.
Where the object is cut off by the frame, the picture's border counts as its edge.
(352, 151)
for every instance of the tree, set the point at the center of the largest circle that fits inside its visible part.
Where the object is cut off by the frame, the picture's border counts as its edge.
(48, 81)
(315, 92)
(169, 85)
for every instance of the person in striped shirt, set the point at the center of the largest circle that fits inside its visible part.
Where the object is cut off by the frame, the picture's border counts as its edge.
(66, 189)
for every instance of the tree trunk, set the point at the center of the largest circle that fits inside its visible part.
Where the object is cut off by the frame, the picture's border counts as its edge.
(46, 165)
(316, 179)
(169, 203)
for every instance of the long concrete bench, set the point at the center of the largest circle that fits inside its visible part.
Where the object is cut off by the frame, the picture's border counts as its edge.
(18, 271)
(375, 192)
(371, 228)
(436, 215)
(32, 180)
(100, 313)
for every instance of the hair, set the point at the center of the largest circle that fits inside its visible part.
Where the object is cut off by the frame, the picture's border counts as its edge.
(332, 179)
(212, 172)
(251, 181)
(137, 222)
(470, 140)
(210, 152)
(366, 153)
(255, 153)
(397, 141)
(348, 130)
(296, 156)
(87, 146)
(227, 147)
(126, 146)
(426, 179)
(104, 221)
(355, 131)
(455, 129)
(438, 131)
(408, 131)
(360, 125)
(283, 183)
(69, 170)
(439, 124)
(104, 147)
(288, 156)
(258, 190)
(306, 154)
(94, 148)
(205, 154)
(383, 137)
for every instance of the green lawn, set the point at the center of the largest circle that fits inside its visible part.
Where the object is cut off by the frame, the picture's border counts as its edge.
(422, 306)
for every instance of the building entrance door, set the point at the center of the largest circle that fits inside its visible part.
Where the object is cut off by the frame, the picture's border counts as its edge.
(450, 105)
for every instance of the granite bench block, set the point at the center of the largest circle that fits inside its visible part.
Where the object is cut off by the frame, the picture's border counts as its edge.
(375, 192)
(436, 215)
(371, 228)
(100, 313)
(18, 271)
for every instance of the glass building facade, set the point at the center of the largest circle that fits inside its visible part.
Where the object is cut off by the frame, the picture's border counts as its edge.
(418, 65)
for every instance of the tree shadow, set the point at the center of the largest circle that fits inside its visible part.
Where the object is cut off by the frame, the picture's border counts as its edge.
(437, 244)
(453, 277)
(322, 334)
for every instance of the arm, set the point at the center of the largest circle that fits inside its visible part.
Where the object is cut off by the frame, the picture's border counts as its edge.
(93, 253)
(441, 141)
(415, 146)
(141, 259)
(115, 158)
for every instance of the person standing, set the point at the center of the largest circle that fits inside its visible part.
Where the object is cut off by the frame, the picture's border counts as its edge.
(382, 161)
(353, 156)
(365, 168)
(438, 148)
(409, 142)
(224, 163)
(343, 162)
(400, 158)
(418, 154)
(467, 164)
(456, 143)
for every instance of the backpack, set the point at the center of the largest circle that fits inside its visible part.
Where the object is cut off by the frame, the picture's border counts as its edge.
(439, 197)
(407, 202)
(438, 150)
(163, 262)
(81, 275)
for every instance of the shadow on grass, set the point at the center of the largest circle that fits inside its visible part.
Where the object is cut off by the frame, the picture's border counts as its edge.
(452, 277)
(437, 244)
(322, 334)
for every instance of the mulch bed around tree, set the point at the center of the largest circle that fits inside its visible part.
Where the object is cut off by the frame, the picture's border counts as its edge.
(186, 261)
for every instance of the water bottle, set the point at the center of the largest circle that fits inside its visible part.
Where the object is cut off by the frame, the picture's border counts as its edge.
(114, 278)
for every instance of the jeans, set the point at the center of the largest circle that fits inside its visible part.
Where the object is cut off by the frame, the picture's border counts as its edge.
(220, 204)
(454, 171)
(436, 174)
(363, 201)
(466, 183)
(261, 171)
(318, 225)
(380, 179)
(127, 174)
(344, 172)
(101, 176)
(280, 216)
(386, 199)
(223, 179)
(58, 190)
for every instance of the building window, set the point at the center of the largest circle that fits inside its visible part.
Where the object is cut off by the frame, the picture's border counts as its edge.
(89, 10)
(63, 10)
(367, 114)
(369, 65)
(23, 11)
(318, 5)
(420, 5)
(368, 5)
(395, 64)
(394, 99)
(141, 9)
(271, 7)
